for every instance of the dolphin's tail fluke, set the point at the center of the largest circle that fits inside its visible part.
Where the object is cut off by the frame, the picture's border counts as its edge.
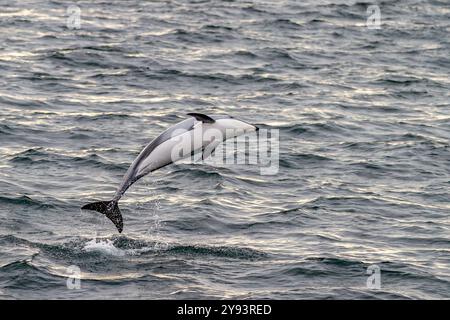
(109, 209)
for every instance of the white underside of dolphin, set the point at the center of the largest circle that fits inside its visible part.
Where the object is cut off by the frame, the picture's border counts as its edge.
(176, 143)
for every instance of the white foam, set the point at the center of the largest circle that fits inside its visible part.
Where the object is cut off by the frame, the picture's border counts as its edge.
(103, 246)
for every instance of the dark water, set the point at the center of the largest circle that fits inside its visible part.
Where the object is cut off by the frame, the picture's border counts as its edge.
(364, 172)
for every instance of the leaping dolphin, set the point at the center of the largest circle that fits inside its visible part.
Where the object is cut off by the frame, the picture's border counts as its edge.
(164, 150)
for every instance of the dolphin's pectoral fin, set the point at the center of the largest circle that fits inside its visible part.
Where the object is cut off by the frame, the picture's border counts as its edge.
(202, 117)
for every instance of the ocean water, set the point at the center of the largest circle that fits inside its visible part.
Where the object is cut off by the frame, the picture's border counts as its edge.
(364, 161)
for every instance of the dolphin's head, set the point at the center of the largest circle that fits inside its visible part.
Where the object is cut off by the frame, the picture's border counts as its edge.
(236, 125)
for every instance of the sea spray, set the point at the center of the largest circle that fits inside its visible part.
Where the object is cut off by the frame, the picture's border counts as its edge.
(104, 246)
(154, 230)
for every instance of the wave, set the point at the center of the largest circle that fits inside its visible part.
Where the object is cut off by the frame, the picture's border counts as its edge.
(316, 129)
(300, 160)
(397, 80)
(215, 28)
(182, 172)
(39, 156)
(25, 201)
(202, 36)
(220, 252)
(22, 275)
(215, 77)
(27, 102)
(104, 117)
(277, 55)
(6, 130)
(280, 23)
(79, 59)
(123, 246)
(246, 54)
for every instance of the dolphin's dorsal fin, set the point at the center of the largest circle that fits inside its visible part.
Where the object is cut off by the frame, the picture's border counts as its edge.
(202, 117)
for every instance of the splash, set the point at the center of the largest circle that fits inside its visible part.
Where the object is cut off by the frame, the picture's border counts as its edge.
(104, 247)
(154, 230)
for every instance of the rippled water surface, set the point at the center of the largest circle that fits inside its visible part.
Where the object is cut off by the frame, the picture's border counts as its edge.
(364, 171)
